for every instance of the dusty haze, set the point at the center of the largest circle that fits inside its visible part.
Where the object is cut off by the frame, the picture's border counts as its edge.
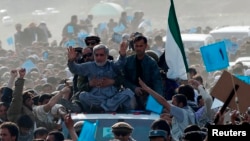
(190, 13)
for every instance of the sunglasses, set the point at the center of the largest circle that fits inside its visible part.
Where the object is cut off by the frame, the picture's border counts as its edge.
(92, 43)
(87, 55)
(121, 133)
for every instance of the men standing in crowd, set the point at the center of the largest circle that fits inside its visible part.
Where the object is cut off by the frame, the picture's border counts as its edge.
(29, 34)
(88, 23)
(140, 65)
(179, 113)
(70, 30)
(18, 36)
(43, 33)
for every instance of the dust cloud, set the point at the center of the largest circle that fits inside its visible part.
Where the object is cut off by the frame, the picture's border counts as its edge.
(190, 13)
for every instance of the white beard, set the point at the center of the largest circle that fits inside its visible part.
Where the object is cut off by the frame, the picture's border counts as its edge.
(101, 64)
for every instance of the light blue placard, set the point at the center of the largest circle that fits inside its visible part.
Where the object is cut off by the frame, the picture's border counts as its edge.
(70, 29)
(81, 39)
(101, 27)
(45, 55)
(88, 131)
(10, 41)
(192, 30)
(243, 78)
(231, 47)
(82, 35)
(215, 56)
(28, 65)
(70, 43)
(153, 105)
(119, 28)
(130, 18)
(117, 38)
(107, 132)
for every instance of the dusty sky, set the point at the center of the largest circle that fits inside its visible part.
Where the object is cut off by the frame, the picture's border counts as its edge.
(190, 13)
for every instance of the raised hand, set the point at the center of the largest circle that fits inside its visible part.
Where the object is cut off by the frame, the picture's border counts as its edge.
(22, 72)
(194, 83)
(13, 73)
(68, 121)
(71, 54)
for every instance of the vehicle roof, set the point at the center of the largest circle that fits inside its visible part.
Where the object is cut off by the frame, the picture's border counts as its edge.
(192, 37)
(6, 17)
(151, 116)
(243, 59)
(195, 37)
(231, 29)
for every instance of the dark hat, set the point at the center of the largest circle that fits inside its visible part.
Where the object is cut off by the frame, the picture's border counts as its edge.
(91, 39)
(122, 127)
(157, 133)
(135, 34)
(78, 126)
(153, 54)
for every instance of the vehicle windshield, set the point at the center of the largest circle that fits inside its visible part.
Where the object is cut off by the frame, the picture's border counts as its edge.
(104, 131)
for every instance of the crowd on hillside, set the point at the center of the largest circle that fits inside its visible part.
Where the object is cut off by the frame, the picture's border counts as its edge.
(97, 70)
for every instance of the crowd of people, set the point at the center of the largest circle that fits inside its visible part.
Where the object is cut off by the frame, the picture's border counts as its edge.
(101, 77)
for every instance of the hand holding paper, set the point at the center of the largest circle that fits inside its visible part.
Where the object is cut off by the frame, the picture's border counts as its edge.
(154, 94)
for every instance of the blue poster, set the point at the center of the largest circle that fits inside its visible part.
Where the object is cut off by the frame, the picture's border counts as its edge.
(45, 55)
(10, 41)
(70, 29)
(215, 56)
(117, 38)
(243, 78)
(88, 131)
(119, 28)
(28, 65)
(153, 105)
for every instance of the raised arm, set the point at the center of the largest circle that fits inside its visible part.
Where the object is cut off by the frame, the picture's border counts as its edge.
(157, 96)
(120, 63)
(13, 75)
(7, 92)
(55, 99)
(72, 54)
(15, 108)
(70, 126)
(205, 95)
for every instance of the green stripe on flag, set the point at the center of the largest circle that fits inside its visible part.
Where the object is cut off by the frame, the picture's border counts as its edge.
(175, 31)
